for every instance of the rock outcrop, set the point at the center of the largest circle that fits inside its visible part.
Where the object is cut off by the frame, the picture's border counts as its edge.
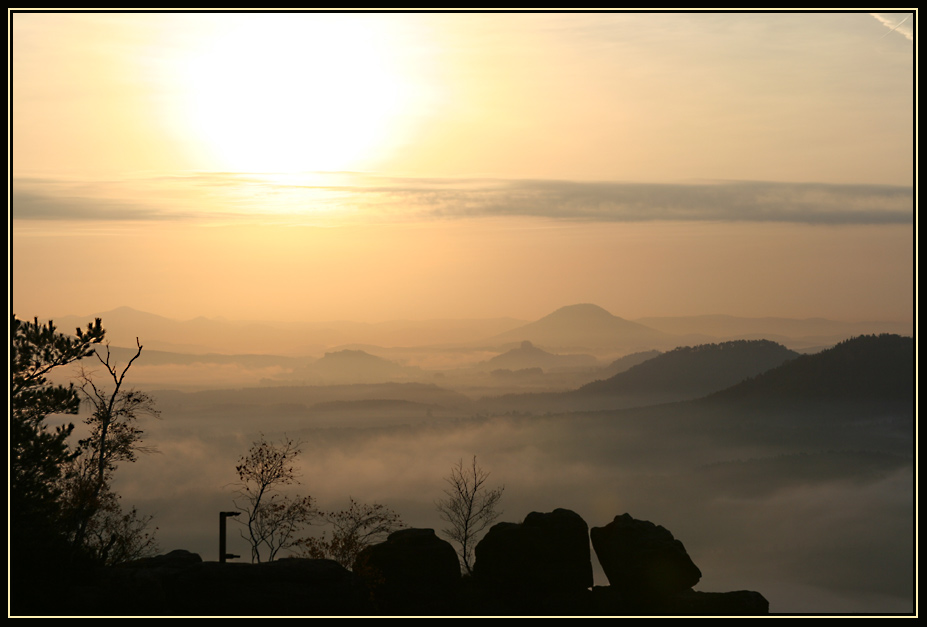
(541, 566)
(413, 572)
(642, 559)
(651, 573)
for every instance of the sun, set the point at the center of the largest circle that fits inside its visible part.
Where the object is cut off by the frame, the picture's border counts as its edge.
(293, 92)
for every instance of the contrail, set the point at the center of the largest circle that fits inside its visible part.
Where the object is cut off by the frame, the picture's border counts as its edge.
(896, 26)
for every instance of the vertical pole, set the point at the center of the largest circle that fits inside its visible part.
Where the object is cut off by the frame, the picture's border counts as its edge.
(221, 536)
(222, 554)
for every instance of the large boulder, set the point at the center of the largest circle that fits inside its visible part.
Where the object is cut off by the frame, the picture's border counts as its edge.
(541, 564)
(412, 572)
(642, 559)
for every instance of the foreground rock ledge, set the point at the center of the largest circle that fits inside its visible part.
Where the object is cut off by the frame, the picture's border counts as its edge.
(539, 567)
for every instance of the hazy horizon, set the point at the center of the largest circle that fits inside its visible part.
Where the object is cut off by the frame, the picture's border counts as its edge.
(412, 319)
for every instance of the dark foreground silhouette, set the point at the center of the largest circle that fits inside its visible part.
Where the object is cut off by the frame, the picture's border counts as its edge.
(541, 566)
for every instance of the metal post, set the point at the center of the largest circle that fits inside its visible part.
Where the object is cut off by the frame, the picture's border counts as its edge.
(222, 554)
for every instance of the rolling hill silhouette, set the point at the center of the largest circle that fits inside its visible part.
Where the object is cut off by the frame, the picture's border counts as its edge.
(628, 361)
(357, 366)
(868, 367)
(694, 370)
(527, 355)
(856, 396)
(586, 326)
(683, 373)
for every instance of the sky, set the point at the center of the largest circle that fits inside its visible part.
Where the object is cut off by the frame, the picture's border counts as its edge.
(315, 166)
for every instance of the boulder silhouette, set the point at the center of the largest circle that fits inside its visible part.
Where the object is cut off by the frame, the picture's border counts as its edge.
(642, 559)
(412, 572)
(543, 563)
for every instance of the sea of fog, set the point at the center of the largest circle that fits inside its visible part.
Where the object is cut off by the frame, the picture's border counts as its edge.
(816, 526)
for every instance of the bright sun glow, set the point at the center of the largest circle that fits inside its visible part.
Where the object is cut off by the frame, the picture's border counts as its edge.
(289, 93)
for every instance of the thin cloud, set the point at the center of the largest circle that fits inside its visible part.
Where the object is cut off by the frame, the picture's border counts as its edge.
(731, 201)
(32, 206)
(346, 197)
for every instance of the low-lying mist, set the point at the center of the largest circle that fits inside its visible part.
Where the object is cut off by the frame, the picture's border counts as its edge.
(815, 525)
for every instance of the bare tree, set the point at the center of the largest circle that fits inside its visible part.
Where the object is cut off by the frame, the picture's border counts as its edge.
(354, 529)
(469, 507)
(273, 520)
(97, 523)
(114, 435)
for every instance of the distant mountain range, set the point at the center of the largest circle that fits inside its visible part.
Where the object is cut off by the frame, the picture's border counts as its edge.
(216, 335)
(858, 395)
(692, 371)
(583, 328)
(750, 390)
(683, 373)
(198, 336)
(852, 406)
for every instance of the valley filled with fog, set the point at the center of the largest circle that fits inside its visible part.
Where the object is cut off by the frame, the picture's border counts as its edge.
(780, 452)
